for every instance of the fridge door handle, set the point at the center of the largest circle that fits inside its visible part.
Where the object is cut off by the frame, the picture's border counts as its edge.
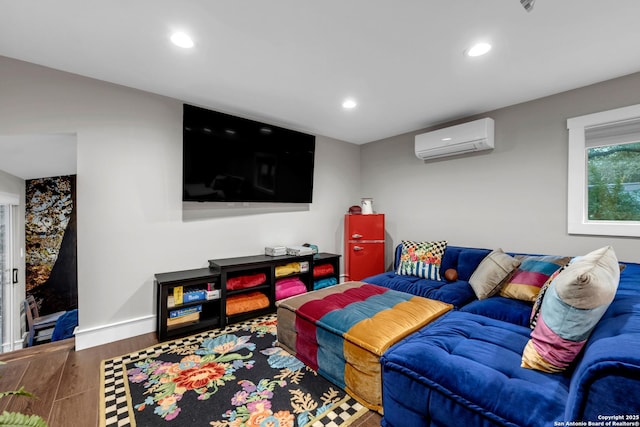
(358, 248)
(356, 236)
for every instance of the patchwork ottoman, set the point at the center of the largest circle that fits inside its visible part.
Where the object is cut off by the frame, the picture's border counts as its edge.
(342, 331)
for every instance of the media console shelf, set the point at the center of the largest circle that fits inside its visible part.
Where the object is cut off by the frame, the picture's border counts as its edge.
(244, 288)
(322, 272)
(191, 316)
(236, 269)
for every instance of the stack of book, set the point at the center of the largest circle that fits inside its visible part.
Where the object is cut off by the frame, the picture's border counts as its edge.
(184, 315)
(182, 296)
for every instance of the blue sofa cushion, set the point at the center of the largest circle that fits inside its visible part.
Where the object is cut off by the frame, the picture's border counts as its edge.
(65, 326)
(457, 293)
(501, 308)
(605, 380)
(487, 382)
(450, 257)
(607, 372)
(468, 260)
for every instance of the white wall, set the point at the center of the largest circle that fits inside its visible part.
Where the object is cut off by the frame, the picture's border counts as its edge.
(131, 220)
(514, 197)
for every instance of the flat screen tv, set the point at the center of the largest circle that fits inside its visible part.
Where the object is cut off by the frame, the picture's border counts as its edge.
(232, 159)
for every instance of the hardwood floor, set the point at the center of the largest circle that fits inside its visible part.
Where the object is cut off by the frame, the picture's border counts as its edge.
(67, 382)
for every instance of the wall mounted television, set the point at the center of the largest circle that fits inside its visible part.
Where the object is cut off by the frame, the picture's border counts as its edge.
(232, 159)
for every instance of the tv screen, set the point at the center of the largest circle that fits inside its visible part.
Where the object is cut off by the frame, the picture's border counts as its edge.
(231, 159)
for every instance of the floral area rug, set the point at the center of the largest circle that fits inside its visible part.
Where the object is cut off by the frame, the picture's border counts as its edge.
(236, 377)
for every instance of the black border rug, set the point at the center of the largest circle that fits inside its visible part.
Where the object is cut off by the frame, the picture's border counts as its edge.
(231, 377)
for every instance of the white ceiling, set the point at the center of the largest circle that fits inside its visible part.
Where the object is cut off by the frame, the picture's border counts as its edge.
(292, 62)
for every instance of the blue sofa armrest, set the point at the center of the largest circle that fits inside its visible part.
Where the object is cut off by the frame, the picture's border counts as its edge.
(606, 380)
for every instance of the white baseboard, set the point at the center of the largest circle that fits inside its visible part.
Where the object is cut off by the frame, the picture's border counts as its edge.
(17, 345)
(91, 337)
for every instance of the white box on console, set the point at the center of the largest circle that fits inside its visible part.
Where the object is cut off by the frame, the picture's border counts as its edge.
(299, 250)
(213, 294)
(275, 250)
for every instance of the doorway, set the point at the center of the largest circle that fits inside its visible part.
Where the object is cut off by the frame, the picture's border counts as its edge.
(24, 158)
(8, 272)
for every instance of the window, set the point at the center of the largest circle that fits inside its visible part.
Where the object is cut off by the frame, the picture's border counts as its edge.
(604, 173)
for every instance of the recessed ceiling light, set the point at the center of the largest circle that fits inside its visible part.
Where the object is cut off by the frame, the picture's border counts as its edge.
(182, 40)
(478, 49)
(349, 104)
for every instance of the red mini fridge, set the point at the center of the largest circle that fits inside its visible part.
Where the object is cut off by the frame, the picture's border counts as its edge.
(363, 245)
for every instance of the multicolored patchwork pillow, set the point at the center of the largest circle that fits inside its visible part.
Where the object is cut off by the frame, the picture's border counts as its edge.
(526, 281)
(573, 304)
(535, 311)
(421, 259)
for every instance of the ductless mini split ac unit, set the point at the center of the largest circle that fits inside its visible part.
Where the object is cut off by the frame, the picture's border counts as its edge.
(451, 141)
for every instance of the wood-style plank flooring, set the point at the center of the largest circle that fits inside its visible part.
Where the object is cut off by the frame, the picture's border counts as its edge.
(67, 382)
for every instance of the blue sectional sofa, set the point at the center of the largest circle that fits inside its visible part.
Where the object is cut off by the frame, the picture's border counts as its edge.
(465, 368)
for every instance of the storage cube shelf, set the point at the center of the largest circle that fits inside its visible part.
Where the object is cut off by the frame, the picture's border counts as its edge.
(273, 268)
(243, 288)
(178, 315)
(326, 270)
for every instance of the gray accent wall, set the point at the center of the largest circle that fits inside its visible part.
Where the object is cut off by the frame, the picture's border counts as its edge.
(514, 197)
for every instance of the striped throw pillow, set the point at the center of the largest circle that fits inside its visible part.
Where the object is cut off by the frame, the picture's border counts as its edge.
(421, 259)
(534, 271)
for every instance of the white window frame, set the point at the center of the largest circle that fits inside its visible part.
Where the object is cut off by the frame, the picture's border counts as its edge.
(577, 208)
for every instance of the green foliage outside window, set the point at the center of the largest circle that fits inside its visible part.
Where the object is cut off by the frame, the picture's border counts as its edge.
(614, 182)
